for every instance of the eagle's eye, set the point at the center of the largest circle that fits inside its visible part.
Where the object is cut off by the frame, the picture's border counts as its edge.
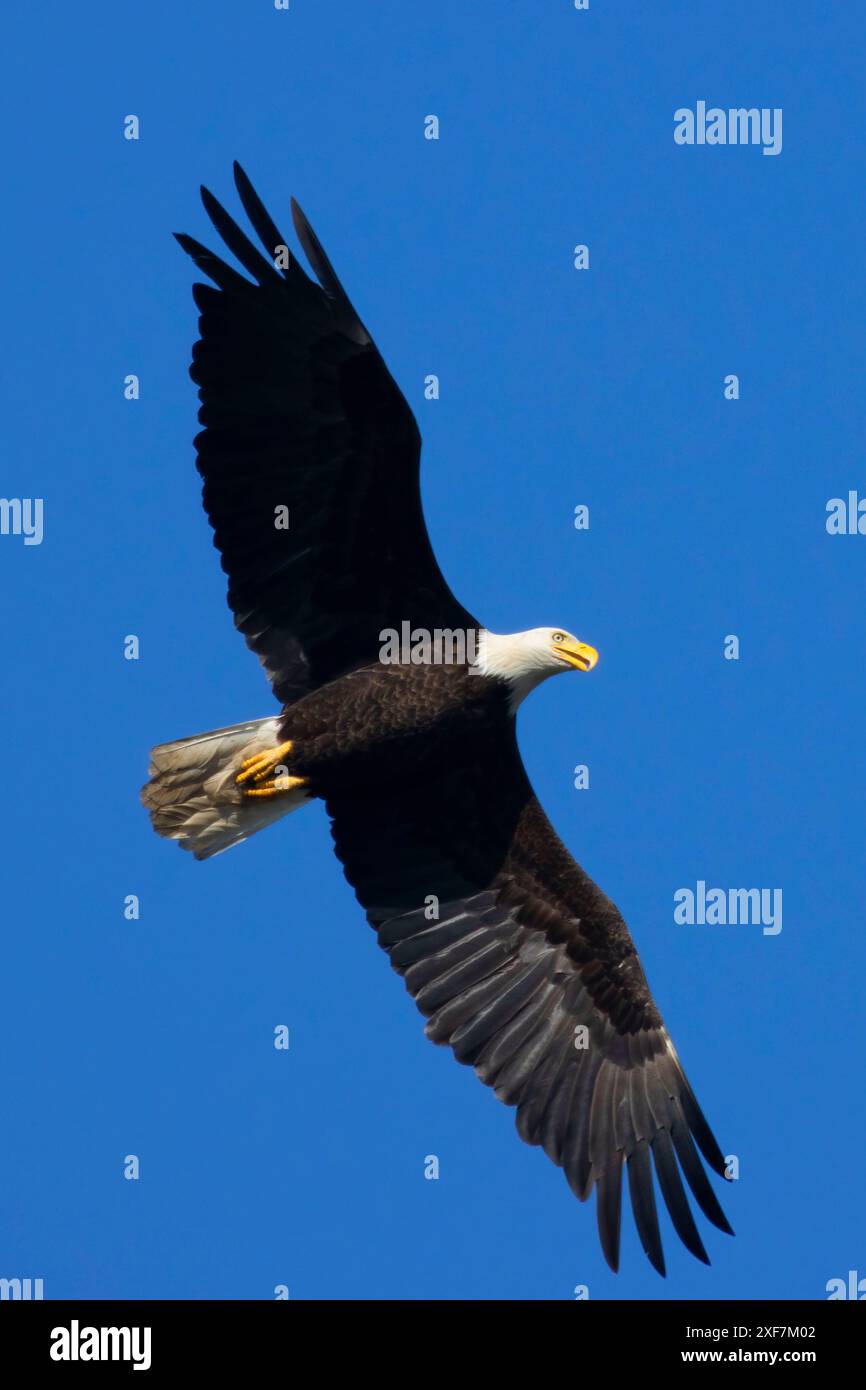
(559, 637)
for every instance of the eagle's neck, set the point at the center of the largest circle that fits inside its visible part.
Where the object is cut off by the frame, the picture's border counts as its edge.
(513, 657)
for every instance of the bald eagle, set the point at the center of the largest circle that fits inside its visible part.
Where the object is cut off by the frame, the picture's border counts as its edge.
(310, 459)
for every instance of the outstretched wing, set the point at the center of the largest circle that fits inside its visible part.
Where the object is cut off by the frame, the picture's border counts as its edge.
(531, 976)
(309, 455)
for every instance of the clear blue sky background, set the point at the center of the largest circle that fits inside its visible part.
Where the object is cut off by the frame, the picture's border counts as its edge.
(154, 1037)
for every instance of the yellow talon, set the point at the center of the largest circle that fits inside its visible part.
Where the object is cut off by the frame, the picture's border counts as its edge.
(281, 784)
(263, 764)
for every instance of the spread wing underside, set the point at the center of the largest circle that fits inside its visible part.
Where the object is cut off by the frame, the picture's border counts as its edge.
(530, 974)
(304, 425)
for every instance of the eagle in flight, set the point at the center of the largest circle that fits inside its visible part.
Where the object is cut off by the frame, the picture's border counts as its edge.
(310, 459)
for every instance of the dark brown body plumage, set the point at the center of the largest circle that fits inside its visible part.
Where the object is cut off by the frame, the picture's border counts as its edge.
(390, 723)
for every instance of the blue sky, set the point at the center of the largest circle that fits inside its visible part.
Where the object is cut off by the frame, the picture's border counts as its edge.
(558, 387)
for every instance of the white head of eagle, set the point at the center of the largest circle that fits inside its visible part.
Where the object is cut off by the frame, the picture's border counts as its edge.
(525, 659)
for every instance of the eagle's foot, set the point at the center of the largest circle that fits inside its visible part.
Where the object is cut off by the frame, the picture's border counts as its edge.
(263, 765)
(266, 774)
(279, 784)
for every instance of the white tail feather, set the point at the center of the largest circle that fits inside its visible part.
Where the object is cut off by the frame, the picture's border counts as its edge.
(193, 796)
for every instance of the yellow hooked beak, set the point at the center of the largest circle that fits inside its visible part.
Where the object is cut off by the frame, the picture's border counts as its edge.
(578, 654)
